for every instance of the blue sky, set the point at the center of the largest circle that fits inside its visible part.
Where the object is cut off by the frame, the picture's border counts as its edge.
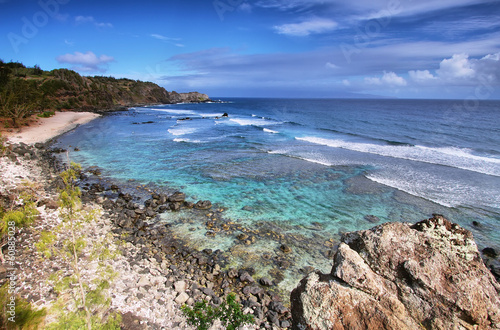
(268, 48)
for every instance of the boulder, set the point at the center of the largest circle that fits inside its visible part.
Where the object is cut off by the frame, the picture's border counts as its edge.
(177, 197)
(175, 206)
(401, 276)
(180, 286)
(265, 281)
(245, 277)
(182, 298)
(203, 205)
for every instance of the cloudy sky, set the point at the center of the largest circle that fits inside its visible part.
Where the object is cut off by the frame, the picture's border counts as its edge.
(267, 48)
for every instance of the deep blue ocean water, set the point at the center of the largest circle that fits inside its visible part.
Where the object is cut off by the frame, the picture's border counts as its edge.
(298, 164)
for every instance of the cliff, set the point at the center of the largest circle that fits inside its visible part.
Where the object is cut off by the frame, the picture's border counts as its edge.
(192, 97)
(25, 91)
(401, 276)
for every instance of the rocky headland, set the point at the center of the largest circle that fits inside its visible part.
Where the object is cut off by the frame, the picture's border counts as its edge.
(27, 91)
(401, 276)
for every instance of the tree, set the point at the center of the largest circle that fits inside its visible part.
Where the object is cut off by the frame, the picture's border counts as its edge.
(89, 305)
(19, 99)
(37, 71)
(4, 75)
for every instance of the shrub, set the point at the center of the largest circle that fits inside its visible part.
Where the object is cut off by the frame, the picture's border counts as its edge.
(202, 315)
(46, 114)
(3, 147)
(26, 317)
(21, 218)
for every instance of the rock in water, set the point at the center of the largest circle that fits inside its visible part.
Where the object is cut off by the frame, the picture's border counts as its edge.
(401, 276)
(203, 205)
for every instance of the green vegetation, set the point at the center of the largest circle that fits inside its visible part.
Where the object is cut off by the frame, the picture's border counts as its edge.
(3, 147)
(88, 305)
(46, 114)
(202, 315)
(27, 91)
(25, 316)
(22, 216)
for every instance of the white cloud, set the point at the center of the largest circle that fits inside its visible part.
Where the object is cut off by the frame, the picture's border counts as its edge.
(389, 78)
(167, 39)
(362, 10)
(461, 70)
(87, 62)
(161, 37)
(325, 71)
(373, 81)
(91, 20)
(245, 7)
(494, 57)
(84, 19)
(458, 66)
(331, 65)
(305, 28)
(421, 75)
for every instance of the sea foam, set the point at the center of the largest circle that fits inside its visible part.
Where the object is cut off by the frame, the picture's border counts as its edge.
(253, 121)
(447, 156)
(182, 131)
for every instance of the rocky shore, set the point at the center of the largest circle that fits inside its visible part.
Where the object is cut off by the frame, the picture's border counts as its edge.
(158, 273)
(428, 274)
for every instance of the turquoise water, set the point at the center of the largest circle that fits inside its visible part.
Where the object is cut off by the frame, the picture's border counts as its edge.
(313, 168)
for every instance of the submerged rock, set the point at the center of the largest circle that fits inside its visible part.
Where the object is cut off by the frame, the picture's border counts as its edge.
(490, 252)
(372, 218)
(285, 248)
(401, 276)
(203, 205)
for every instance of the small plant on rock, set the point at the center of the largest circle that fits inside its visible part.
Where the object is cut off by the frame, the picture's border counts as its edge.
(202, 315)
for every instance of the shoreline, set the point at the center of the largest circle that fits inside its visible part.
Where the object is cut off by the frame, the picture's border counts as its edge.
(45, 129)
(156, 267)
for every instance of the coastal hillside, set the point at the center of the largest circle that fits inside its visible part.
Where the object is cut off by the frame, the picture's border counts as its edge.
(25, 91)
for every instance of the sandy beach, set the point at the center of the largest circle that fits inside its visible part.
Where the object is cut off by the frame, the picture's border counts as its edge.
(45, 129)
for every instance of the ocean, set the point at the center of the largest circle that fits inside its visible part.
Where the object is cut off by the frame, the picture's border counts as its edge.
(300, 172)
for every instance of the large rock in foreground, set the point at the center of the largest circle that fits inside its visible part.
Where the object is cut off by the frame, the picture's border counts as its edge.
(401, 276)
